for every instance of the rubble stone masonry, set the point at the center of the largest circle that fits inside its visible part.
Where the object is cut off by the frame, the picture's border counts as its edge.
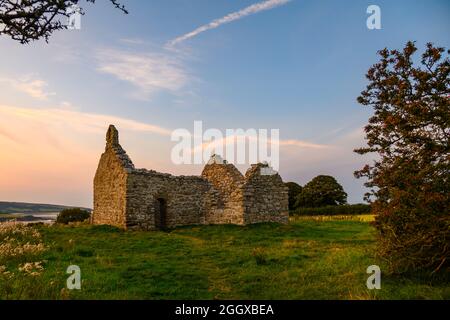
(142, 199)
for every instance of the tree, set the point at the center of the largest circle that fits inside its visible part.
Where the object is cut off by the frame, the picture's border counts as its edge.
(321, 191)
(410, 132)
(294, 190)
(27, 20)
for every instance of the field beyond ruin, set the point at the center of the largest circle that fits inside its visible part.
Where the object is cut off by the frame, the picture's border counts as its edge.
(311, 258)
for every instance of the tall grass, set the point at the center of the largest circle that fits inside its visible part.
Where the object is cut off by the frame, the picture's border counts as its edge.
(21, 247)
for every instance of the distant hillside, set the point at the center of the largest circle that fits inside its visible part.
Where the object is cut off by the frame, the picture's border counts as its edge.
(22, 207)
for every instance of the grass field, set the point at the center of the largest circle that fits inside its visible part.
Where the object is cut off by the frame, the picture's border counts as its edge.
(307, 259)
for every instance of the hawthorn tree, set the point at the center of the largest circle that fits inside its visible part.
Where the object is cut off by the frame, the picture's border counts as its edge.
(321, 191)
(410, 133)
(27, 20)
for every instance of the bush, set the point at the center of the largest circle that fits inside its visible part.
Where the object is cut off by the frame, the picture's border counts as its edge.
(415, 238)
(72, 215)
(347, 209)
(409, 180)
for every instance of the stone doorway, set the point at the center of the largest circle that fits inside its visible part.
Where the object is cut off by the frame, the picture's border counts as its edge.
(161, 214)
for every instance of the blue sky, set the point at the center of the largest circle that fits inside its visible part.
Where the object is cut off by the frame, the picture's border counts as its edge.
(297, 66)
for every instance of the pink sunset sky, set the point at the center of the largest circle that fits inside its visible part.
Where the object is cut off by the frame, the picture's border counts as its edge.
(293, 65)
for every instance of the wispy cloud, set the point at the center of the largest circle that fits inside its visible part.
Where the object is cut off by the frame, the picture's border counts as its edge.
(231, 140)
(8, 135)
(132, 41)
(91, 122)
(302, 144)
(82, 121)
(50, 154)
(254, 8)
(148, 72)
(29, 84)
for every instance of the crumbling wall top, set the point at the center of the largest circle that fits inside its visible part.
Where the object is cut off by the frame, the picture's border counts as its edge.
(112, 136)
(261, 169)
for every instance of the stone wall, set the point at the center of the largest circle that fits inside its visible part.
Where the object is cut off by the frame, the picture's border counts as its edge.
(110, 183)
(185, 198)
(147, 200)
(265, 196)
(228, 205)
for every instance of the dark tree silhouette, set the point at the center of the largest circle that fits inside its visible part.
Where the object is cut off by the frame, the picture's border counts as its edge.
(410, 132)
(321, 191)
(27, 20)
(294, 190)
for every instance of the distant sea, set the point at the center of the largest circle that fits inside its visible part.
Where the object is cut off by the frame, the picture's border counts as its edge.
(44, 217)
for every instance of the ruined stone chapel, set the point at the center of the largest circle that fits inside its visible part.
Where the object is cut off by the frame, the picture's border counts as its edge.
(142, 199)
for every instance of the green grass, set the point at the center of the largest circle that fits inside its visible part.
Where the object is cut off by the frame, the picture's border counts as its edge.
(307, 259)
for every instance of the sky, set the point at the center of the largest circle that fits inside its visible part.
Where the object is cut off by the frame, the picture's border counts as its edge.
(293, 65)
